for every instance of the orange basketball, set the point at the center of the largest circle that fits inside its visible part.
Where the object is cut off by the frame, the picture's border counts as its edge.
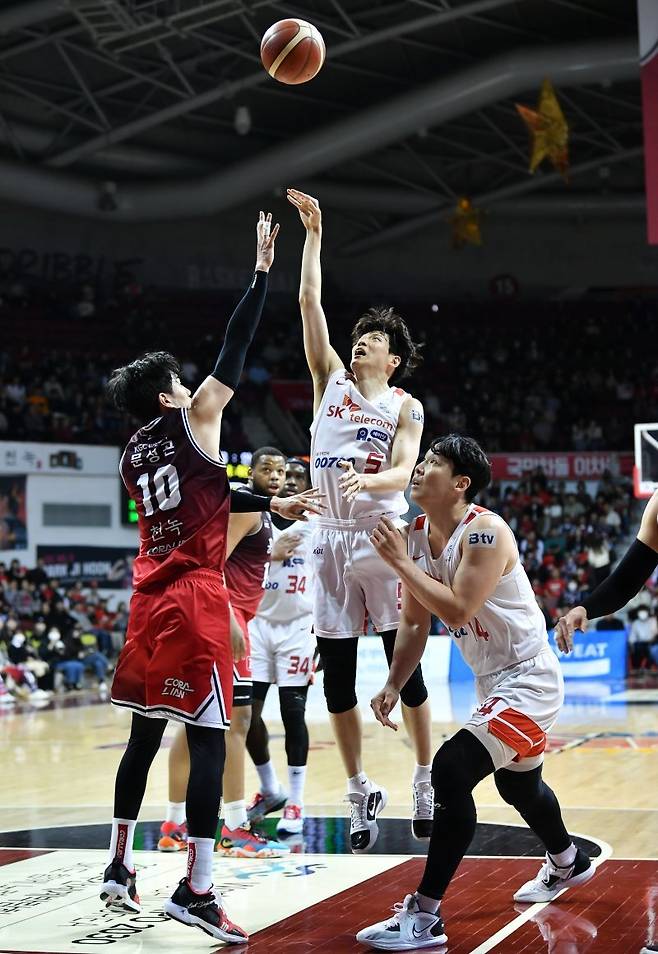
(292, 51)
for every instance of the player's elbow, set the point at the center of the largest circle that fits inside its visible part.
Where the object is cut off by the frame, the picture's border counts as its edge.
(308, 298)
(457, 617)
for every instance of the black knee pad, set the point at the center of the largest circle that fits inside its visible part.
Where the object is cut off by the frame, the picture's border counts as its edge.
(339, 666)
(519, 788)
(458, 766)
(414, 692)
(292, 701)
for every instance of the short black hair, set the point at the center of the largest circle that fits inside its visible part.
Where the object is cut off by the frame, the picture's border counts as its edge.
(385, 319)
(266, 452)
(467, 459)
(135, 387)
(301, 463)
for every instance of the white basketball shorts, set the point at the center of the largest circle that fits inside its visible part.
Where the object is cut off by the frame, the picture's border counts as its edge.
(282, 653)
(352, 582)
(518, 706)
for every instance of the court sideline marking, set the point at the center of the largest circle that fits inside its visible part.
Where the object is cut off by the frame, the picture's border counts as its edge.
(521, 919)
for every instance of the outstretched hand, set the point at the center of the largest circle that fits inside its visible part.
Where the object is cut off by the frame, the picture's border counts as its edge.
(575, 619)
(297, 506)
(266, 237)
(308, 208)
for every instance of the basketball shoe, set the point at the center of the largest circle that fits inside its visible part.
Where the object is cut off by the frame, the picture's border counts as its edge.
(409, 929)
(262, 805)
(551, 879)
(119, 888)
(173, 837)
(247, 842)
(291, 822)
(203, 911)
(422, 819)
(364, 810)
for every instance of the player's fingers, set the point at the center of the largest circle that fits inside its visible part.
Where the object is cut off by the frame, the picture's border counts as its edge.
(391, 725)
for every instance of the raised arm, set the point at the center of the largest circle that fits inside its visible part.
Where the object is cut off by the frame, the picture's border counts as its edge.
(214, 393)
(322, 359)
(404, 454)
(627, 579)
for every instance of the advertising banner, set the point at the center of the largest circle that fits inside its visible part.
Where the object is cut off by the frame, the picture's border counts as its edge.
(579, 465)
(109, 567)
(27, 457)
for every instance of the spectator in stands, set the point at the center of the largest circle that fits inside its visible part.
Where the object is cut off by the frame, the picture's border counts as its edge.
(642, 634)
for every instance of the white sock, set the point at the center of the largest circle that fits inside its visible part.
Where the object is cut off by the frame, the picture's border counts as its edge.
(359, 783)
(199, 863)
(121, 842)
(422, 773)
(176, 813)
(296, 780)
(235, 814)
(429, 905)
(564, 859)
(269, 783)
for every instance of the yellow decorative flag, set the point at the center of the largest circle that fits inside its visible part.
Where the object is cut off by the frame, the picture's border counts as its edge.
(465, 223)
(549, 131)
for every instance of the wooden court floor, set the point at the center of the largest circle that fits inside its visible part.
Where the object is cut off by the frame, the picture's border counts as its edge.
(58, 767)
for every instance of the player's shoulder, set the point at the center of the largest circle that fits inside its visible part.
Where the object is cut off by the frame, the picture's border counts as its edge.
(486, 529)
(419, 524)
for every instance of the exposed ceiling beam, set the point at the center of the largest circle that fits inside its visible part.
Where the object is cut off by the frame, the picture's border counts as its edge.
(294, 162)
(128, 130)
(21, 15)
(441, 208)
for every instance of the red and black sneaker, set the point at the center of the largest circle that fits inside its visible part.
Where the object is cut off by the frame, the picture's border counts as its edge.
(203, 911)
(119, 888)
(173, 837)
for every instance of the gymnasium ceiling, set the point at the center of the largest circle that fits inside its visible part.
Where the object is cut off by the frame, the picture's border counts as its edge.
(413, 108)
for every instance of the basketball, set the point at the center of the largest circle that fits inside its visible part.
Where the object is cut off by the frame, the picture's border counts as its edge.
(292, 51)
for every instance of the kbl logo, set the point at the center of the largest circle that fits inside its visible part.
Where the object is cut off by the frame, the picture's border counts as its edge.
(363, 435)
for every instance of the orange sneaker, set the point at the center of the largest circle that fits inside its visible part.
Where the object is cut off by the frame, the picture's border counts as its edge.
(173, 837)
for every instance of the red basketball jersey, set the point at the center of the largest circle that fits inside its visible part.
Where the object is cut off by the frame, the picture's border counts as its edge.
(183, 501)
(248, 566)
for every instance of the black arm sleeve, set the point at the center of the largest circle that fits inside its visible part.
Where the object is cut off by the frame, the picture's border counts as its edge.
(627, 579)
(244, 502)
(240, 332)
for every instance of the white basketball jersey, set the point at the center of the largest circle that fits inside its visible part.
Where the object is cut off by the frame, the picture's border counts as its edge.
(349, 427)
(509, 627)
(288, 589)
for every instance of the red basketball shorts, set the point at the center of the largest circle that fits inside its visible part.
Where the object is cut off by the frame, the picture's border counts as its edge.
(242, 678)
(177, 661)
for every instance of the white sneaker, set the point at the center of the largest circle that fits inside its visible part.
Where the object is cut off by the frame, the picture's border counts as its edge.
(422, 819)
(552, 880)
(408, 930)
(292, 821)
(363, 817)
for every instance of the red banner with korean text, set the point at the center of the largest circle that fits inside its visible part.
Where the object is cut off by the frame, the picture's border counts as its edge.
(578, 465)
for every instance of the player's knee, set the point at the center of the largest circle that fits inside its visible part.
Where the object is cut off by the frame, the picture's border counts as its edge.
(292, 701)
(339, 688)
(518, 788)
(240, 721)
(458, 766)
(340, 697)
(414, 692)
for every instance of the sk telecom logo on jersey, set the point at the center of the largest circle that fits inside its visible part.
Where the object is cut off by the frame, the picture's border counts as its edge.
(339, 410)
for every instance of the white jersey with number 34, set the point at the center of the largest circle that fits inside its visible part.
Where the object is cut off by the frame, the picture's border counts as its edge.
(509, 628)
(349, 427)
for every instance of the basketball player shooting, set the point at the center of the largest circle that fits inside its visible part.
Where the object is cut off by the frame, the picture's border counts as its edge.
(365, 439)
(177, 661)
(461, 563)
